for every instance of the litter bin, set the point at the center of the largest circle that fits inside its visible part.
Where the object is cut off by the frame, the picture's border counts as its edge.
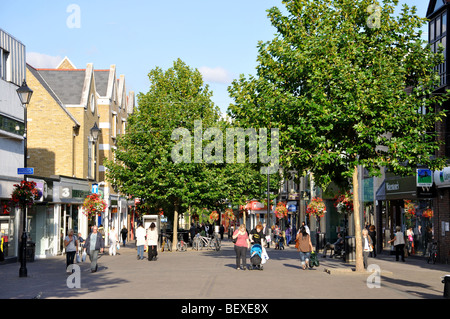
(350, 249)
(446, 282)
(30, 251)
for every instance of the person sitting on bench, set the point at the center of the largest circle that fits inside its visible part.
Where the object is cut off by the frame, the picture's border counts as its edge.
(336, 247)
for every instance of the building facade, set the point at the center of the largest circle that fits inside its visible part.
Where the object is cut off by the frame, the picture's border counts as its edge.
(67, 108)
(12, 74)
(437, 14)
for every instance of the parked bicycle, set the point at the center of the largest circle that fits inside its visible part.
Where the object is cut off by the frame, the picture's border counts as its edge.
(166, 243)
(208, 242)
(433, 253)
(181, 244)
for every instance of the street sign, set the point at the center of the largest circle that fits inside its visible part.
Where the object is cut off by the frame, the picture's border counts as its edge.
(25, 171)
(95, 188)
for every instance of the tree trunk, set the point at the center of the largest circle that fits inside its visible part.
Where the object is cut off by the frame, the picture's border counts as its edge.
(356, 216)
(175, 228)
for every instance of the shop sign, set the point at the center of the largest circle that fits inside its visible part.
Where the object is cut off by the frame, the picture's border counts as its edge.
(400, 187)
(424, 178)
(442, 178)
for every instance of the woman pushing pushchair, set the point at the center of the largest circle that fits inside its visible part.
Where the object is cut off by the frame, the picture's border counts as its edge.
(258, 254)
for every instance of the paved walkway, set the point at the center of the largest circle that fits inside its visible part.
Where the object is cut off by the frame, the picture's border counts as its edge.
(201, 275)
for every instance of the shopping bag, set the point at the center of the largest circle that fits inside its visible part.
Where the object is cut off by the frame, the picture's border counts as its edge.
(313, 260)
(78, 258)
(118, 246)
(83, 256)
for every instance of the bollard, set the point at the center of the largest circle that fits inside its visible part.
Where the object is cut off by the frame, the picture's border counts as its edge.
(446, 282)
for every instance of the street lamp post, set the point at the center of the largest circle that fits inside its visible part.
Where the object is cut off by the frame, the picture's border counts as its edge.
(25, 94)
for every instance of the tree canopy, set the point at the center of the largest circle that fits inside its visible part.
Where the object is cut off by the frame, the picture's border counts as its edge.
(347, 83)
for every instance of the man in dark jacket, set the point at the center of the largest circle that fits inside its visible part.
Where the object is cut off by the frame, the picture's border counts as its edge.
(93, 245)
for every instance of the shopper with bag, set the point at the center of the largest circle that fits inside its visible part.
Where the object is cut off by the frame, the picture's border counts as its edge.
(367, 244)
(399, 244)
(305, 247)
(93, 246)
(71, 246)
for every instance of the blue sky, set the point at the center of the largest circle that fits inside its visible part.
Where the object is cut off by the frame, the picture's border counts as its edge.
(217, 37)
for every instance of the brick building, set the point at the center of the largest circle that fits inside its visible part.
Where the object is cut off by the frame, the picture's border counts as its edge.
(67, 107)
(437, 14)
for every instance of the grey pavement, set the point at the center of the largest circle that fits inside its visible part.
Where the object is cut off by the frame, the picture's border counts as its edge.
(207, 274)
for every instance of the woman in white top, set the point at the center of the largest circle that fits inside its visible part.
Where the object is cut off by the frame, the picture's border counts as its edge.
(399, 244)
(140, 241)
(71, 246)
(152, 242)
(113, 240)
(367, 246)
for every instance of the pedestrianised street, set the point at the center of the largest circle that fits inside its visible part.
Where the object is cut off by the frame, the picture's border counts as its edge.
(208, 275)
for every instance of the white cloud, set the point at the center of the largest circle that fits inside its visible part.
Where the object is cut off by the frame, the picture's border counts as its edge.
(39, 60)
(215, 75)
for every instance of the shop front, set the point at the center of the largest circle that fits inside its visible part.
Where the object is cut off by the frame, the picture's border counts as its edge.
(68, 197)
(9, 221)
(409, 204)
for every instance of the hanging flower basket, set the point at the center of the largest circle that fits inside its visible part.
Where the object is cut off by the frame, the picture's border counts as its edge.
(229, 214)
(281, 210)
(344, 203)
(410, 209)
(94, 205)
(213, 216)
(316, 207)
(25, 193)
(428, 213)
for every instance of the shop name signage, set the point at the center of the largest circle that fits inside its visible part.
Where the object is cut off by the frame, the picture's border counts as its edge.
(69, 192)
(395, 186)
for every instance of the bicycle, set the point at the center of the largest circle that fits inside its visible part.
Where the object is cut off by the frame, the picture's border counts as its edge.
(181, 244)
(166, 243)
(433, 254)
(210, 243)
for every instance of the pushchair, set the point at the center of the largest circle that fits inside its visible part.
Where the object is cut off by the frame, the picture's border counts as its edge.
(256, 257)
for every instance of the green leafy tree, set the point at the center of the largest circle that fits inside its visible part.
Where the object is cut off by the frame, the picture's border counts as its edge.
(348, 84)
(144, 166)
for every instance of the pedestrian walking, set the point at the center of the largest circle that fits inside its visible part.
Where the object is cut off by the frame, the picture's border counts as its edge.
(241, 245)
(221, 231)
(399, 244)
(256, 235)
(71, 246)
(124, 233)
(152, 242)
(367, 246)
(276, 236)
(113, 241)
(140, 241)
(410, 235)
(305, 247)
(288, 233)
(266, 232)
(373, 236)
(93, 246)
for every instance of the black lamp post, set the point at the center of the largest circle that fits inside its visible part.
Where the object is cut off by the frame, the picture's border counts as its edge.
(24, 93)
(94, 132)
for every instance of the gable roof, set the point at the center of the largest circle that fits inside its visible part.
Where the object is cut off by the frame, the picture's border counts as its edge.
(435, 5)
(67, 84)
(52, 93)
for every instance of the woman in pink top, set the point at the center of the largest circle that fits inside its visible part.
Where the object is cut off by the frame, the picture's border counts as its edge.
(241, 245)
